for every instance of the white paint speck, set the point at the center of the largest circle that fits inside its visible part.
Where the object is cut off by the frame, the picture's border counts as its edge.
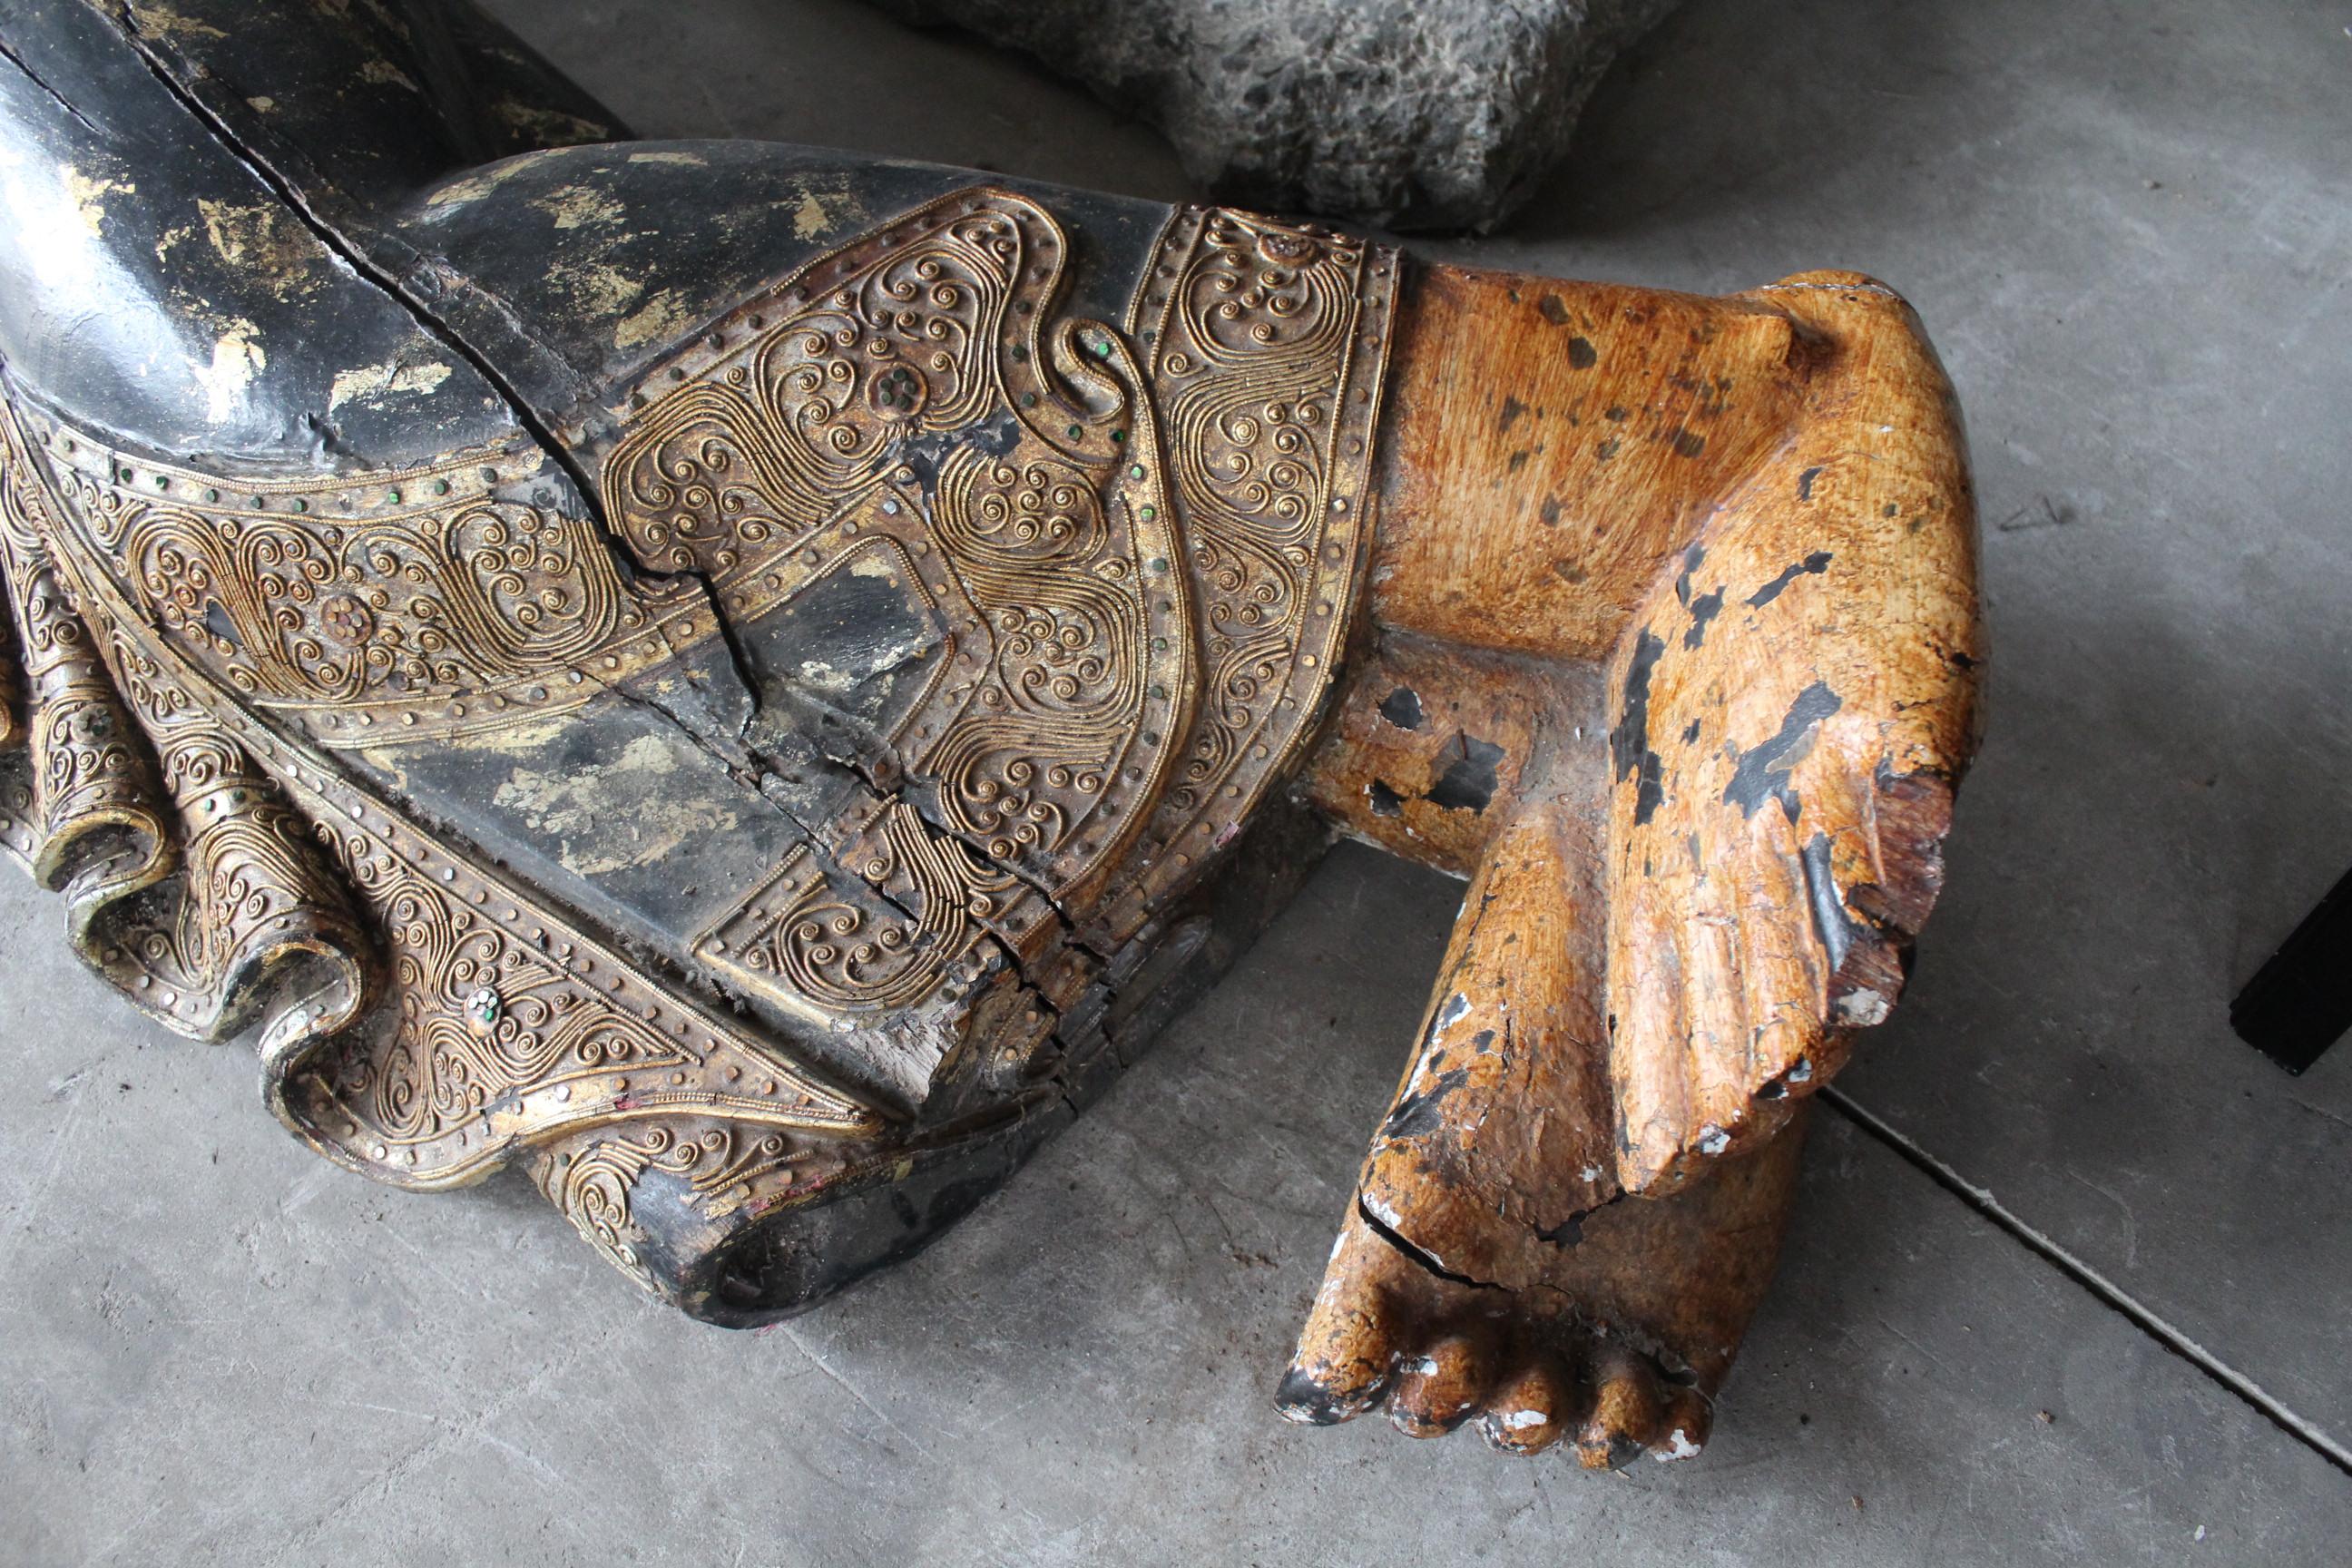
(1678, 1447)
(237, 360)
(1862, 1008)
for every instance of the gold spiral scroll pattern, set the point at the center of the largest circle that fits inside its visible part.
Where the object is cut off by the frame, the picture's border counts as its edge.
(1270, 344)
(857, 352)
(760, 430)
(915, 385)
(800, 935)
(433, 602)
(593, 1179)
(509, 1025)
(503, 1023)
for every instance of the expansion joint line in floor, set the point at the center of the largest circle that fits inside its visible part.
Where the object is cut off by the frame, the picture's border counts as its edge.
(2267, 1405)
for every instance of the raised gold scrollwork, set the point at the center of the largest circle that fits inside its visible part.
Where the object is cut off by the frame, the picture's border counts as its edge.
(1270, 342)
(916, 386)
(799, 932)
(434, 602)
(593, 1181)
(428, 1016)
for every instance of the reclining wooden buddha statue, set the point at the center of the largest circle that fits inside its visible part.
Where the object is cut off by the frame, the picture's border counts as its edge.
(750, 681)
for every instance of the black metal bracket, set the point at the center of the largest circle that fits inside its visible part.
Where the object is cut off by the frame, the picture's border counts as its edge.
(2300, 1003)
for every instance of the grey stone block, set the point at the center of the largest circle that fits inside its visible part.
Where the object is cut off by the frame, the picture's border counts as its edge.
(1410, 114)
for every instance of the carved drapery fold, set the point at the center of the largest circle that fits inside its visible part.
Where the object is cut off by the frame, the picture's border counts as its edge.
(422, 1018)
(253, 916)
(98, 828)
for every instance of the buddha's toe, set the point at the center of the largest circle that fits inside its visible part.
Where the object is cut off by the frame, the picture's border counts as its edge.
(1443, 1384)
(1348, 1347)
(1627, 1404)
(1532, 1409)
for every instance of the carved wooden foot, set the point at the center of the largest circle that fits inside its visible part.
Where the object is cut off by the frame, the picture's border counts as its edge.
(1614, 1338)
(1693, 743)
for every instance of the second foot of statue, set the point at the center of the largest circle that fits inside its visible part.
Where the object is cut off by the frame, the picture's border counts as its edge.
(1618, 1348)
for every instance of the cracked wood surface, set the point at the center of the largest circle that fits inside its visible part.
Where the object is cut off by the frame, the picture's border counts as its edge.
(1698, 839)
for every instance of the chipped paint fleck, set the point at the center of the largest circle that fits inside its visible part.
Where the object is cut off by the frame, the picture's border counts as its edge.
(161, 22)
(601, 826)
(577, 207)
(598, 288)
(826, 677)
(261, 105)
(821, 208)
(661, 317)
(1520, 1420)
(89, 196)
(263, 241)
(1678, 1447)
(376, 380)
(688, 159)
(237, 360)
(550, 127)
(1862, 1009)
(383, 73)
(476, 186)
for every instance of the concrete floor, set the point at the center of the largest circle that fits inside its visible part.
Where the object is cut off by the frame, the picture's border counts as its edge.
(2125, 224)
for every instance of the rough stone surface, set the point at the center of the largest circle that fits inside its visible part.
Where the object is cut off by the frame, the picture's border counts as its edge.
(1412, 114)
